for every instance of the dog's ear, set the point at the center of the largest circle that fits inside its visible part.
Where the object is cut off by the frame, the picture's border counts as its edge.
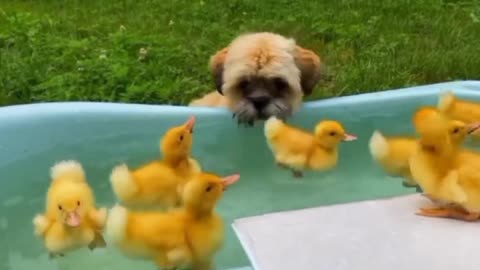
(216, 67)
(310, 67)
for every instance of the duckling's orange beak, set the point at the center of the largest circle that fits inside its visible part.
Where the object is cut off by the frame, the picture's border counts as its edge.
(73, 219)
(472, 128)
(230, 180)
(349, 137)
(190, 124)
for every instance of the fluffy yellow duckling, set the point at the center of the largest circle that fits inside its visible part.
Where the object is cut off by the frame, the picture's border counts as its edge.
(467, 111)
(158, 183)
(393, 153)
(71, 220)
(186, 236)
(176, 147)
(443, 172)
(299, 149)
(460, 109)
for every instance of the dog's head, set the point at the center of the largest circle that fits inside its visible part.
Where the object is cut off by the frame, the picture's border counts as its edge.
(263, 75)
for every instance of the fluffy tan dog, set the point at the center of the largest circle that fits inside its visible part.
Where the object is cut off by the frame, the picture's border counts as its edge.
(261, 75)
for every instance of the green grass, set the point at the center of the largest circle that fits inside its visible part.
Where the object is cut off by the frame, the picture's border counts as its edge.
(89, 50)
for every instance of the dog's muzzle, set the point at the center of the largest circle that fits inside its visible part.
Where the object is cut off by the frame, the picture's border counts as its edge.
(261, 108)
(259, 102)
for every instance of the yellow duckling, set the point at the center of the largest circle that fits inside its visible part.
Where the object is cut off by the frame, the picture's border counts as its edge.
(442, 170)
(176, 147)
(186, 236)
(460, 109)
(159, 183)
(299, 149)
(71, 220)
(463, 110)
(393, 153)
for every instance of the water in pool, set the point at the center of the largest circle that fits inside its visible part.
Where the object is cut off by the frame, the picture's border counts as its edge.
(102, 141)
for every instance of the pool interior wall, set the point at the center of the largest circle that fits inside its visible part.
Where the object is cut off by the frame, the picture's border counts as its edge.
(100, 136)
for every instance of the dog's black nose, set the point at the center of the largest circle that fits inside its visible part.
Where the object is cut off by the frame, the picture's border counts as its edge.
(259, 102)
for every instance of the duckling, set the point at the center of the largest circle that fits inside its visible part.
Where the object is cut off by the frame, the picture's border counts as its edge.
(393, 153)
(158, 184)
(431, 164)
(460, 109)
(443, 172)
(298, 149)
(71, 220)
(187, 236)
(176, 147)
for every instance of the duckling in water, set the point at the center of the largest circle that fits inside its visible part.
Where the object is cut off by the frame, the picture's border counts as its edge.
(299, 149)
(71, 220)
(159, 183)
(187, 236)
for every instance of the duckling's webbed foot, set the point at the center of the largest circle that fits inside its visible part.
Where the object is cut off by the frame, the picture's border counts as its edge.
(409, 183)
(281, 165)
(433, 212)
(472, 217)
(98, 242)
(297, 173)
(449, 212)
(53, 255)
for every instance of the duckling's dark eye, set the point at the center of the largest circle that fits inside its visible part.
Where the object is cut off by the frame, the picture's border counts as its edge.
(181, 137)
(60, 207)
(78, 203)
(209, 188)
(333, 133)
(456, 130)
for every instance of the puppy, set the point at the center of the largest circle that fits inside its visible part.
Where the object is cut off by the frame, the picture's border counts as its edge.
(261, 75)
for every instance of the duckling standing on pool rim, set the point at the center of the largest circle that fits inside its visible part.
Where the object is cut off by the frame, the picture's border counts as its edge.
(186, 236)
(298, 149)
(446, 172)
(394, 152)
(159, 183)
(71, 220)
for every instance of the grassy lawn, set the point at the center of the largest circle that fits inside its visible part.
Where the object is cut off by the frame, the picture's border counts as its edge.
(56, 50)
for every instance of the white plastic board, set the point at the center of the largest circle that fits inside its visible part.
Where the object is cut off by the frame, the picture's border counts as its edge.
(368, 235)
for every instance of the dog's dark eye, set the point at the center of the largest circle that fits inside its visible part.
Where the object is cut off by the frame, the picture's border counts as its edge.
(280, 84)
(456, 130)
(60, 207)
(78, 203)
(333, 133)
(243, 84)
(209, 188)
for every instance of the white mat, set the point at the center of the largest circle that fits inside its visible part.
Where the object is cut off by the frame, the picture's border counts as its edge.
(369, 235)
